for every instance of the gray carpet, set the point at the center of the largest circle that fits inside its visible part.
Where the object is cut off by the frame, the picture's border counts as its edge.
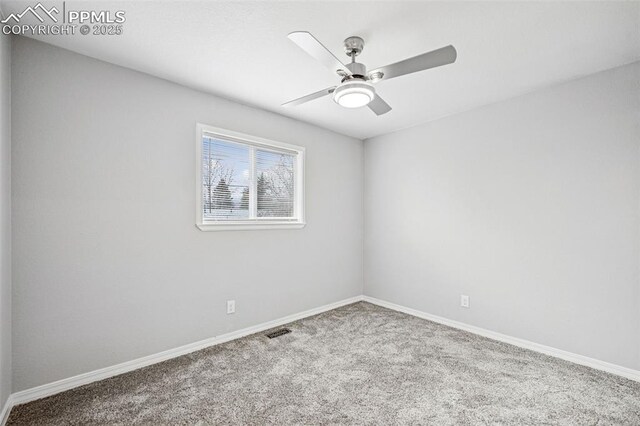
(360, 364)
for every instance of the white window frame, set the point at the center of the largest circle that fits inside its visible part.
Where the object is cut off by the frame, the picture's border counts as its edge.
(296, 222)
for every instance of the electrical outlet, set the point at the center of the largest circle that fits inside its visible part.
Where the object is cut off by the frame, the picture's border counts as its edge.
(231, 306)
(464, 301)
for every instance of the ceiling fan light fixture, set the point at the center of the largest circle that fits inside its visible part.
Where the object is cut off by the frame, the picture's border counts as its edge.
(354, 94)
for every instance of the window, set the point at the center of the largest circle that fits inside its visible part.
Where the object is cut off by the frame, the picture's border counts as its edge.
(246, 182)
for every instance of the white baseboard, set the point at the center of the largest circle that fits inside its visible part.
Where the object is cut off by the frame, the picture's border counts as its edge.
(547, 350)
(104, 373)
(4, 414)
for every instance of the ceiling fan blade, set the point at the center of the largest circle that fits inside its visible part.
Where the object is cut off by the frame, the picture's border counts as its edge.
(313, 47)
(435, 58)
(310, 97)
(379, 106)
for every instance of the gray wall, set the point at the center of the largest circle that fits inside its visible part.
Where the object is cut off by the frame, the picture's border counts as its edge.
(529, 206)
(108, 265)
(5, 218)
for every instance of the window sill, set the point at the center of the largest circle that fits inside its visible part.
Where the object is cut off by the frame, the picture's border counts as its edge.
(248, 226)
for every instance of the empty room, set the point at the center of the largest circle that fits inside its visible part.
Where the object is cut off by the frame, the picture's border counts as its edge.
(319, 212)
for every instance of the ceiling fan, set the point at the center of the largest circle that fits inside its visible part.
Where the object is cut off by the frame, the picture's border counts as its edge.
(356, 87)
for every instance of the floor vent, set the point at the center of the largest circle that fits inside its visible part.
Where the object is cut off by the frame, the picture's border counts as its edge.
(278, 333)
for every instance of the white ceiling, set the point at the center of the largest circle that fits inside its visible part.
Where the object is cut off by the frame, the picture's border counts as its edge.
(239, 50)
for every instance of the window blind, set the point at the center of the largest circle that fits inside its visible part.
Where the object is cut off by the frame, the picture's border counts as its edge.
(245, 182)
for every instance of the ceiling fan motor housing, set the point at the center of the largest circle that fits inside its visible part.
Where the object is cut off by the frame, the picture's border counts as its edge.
(357, 69)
